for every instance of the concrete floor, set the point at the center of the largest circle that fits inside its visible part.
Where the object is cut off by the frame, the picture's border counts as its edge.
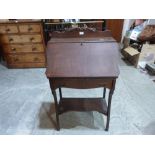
(25, 99)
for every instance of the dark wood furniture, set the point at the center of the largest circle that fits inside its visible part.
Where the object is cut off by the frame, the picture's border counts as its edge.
(82, 59)
(116, 27)
(23, 43)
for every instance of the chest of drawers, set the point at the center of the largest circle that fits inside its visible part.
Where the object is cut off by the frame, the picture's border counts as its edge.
(23, 44)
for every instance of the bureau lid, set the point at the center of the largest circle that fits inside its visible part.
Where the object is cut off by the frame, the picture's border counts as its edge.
(92, 56)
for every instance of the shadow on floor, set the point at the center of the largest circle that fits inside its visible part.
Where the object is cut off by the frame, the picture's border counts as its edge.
(149, 129)
(126, 61)
(67, 120)
(46, 121)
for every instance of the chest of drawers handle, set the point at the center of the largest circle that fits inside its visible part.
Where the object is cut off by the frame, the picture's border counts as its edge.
(13, 49)
(34, 48)
(11, 39)
(36, 59)
(16, 59)
(7, 30)
(30, 29)
(31, 39)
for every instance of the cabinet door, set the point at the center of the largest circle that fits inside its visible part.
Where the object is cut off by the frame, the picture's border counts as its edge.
(116, 26)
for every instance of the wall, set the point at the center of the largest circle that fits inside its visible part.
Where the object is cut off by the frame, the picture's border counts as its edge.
(151, 22)
(126, 26)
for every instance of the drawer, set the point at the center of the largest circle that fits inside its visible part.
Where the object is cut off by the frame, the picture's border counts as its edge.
(21, 38)
(29, 28)
(80, 83)
(23, 58)
(8, 29)
(27, 65)
(23, 48)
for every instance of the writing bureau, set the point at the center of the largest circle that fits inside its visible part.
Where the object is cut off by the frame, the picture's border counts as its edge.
(82, 59)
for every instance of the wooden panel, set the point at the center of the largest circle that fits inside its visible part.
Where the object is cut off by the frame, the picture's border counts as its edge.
(83, 104)
(29, 28)
(21, 38)
(116, 26)
(82, 59)
(8, 29)
(87, 33)
(21, 58)
(17, 48)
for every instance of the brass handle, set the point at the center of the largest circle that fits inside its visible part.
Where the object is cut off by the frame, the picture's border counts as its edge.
(30, 28)
(13, 49)
(7, 29)
(36, 59)
(34, 48)
(16, 59)
(32, 39)
(11, 39)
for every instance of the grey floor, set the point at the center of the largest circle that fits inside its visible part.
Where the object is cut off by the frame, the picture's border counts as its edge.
(25, 99)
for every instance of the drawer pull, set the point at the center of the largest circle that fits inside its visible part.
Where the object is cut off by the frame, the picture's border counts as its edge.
(30, 29)
(13, 49)
(36, 59)
(32, 39)
(34, 48)
(16, 59)
(11, 39)
(7, 30)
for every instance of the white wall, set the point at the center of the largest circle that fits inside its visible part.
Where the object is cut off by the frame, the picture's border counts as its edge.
(151, 22)
(126, 26)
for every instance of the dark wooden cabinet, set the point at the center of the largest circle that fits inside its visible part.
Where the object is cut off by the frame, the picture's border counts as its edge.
(116, 27)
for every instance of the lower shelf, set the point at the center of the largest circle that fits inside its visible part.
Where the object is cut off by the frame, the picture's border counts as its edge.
(83, 104)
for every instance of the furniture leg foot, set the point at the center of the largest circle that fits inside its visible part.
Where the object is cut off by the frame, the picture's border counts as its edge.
(104, 92)
(56, 109)
(109, 108)
(107, 124)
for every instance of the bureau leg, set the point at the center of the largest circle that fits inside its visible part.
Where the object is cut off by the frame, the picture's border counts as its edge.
(56, 109)
(60, 93)
(108, 112)
(104, 92)
(109, 104)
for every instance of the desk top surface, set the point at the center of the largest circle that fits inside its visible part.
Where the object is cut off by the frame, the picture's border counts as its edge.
(80, 57)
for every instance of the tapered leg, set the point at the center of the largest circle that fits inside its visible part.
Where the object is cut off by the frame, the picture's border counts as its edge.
(60, 93)
(104, 92)
(109, 108)
(56, 109)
